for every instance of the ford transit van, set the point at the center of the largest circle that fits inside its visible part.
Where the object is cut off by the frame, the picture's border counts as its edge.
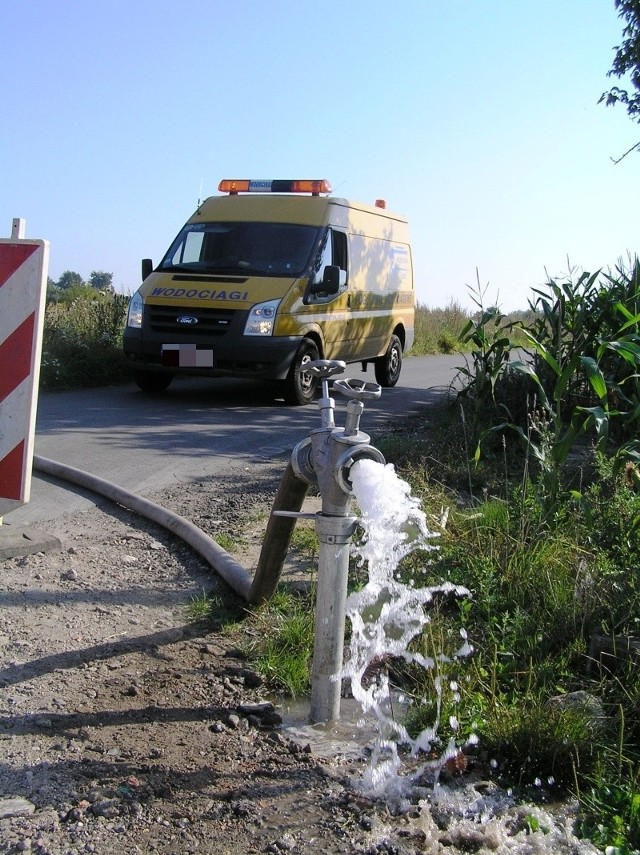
(268, 277)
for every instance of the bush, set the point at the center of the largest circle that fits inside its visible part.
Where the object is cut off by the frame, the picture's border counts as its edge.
(438, 330)
(81, 343)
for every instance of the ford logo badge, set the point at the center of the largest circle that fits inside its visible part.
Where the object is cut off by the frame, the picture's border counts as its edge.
(188, 320)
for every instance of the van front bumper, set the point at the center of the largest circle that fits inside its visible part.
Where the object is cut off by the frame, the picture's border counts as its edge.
(251, 356)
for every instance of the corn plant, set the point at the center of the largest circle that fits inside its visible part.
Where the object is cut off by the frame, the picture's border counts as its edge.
(585, 370)
(487, 333)
(582, 365)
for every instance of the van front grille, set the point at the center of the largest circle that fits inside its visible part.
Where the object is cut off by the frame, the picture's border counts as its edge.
(198, 322)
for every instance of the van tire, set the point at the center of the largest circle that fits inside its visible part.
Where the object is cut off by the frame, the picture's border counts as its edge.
(387, 368)
(152, 381)
(300, 389)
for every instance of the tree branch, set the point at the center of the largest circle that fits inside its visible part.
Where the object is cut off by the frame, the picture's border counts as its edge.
(622, 157)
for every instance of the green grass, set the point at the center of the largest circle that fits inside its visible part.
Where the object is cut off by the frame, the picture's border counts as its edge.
(279, 641)
(210, 609)
(228, 542)
(304, 540)
(202, 607)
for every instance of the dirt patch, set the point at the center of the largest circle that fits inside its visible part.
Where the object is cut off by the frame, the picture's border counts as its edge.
(126, 727)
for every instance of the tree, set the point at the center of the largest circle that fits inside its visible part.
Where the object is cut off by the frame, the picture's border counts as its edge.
(627, 61)
(101, 280)
(53, 292)
(70, 279)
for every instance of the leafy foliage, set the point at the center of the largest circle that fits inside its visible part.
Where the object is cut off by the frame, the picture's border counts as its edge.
(627, 59)
(627, 62)
(487, 334)
(580, 374)
(437, 330)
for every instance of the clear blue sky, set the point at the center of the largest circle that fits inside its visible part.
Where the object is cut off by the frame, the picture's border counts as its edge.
(476, 119)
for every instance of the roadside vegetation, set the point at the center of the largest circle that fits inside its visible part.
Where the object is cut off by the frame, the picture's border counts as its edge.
(82, 338)
(531, 475)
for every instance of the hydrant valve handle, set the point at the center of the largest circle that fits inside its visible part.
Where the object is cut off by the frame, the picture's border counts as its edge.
(355, 388)
(323, 367)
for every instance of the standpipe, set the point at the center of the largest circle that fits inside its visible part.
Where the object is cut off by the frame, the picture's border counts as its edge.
(324, 459)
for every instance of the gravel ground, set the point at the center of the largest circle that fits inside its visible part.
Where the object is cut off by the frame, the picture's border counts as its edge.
(126, 727)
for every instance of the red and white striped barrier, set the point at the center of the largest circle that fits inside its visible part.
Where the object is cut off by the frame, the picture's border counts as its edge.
(23, 282)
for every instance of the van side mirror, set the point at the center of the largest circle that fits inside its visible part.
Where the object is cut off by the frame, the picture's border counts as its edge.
(333, 279)
(147, 267)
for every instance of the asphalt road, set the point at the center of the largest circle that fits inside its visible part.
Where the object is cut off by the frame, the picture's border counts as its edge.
(199, 427)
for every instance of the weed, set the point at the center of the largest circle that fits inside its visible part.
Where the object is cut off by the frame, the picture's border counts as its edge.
(304, 540)
(227, 542)
(204, 607)
(610, 799)
(437, 330)
(487, 334)
(280, 642)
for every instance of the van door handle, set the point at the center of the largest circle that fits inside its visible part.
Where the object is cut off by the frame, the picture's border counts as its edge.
(348, 301)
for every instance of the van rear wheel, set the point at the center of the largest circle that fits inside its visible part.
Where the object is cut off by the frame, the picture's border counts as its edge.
(387, 368)
(152, 381)
(300, 388)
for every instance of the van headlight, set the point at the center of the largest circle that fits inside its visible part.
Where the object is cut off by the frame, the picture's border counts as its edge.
(134, 313)
(261, 318)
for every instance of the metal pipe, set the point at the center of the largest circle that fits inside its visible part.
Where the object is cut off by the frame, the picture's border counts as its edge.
(334, 534)
(290, 496)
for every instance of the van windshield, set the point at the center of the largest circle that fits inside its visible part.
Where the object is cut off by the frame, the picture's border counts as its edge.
(259, 249)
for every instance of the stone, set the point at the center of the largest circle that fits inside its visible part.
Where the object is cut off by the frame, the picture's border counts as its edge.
(16, 806)
(256, 709)
(580, 701)
(108, 808)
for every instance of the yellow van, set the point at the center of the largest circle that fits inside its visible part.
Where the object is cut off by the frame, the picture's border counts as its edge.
(268, 277)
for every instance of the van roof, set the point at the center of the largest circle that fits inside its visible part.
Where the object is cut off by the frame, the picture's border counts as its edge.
(278, 208)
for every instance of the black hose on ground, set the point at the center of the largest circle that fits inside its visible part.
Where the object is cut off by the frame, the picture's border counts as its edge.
(233, 573)
(256, 590)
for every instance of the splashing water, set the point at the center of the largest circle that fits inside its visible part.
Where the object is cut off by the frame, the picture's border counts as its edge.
(385, 616)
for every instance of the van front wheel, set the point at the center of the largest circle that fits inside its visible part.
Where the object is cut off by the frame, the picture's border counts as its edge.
(300, 388)
(387, 368)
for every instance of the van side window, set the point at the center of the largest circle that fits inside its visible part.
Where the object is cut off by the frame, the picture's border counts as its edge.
(339, 246)
(333, 250)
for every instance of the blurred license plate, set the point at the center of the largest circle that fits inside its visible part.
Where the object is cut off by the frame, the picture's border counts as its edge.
(186, 356)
